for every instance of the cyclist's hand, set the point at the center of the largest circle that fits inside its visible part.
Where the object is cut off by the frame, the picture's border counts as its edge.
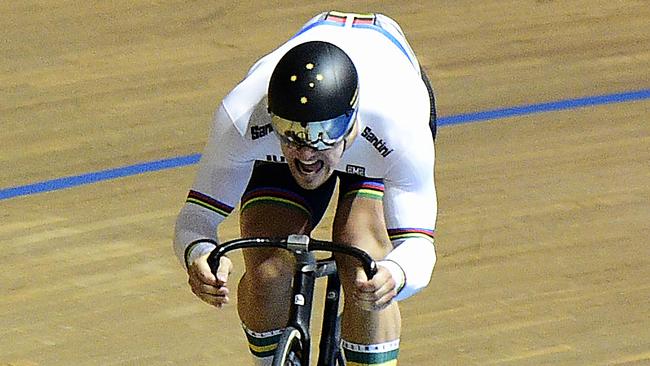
(375, 294)
(205, 286)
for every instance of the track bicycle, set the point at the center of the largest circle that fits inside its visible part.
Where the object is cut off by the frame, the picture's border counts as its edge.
(294, 346)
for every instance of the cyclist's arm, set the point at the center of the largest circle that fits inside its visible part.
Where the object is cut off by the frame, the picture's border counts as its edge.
(411, 264)
(225, 166)
(410, 209)
(193, 226)
(220, 180)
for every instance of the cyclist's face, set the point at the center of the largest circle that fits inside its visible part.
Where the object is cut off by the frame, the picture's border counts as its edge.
(310, 167)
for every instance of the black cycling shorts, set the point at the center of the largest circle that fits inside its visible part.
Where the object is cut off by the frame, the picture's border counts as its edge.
(273, 183)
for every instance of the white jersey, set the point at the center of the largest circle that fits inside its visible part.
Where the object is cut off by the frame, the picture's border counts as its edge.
(394, 142)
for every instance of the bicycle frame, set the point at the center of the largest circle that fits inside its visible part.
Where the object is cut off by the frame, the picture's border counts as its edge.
(307, 271)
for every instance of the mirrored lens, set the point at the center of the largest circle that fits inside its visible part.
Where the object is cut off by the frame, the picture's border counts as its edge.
(320, 135)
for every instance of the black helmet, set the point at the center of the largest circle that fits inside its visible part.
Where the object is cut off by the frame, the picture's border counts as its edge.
(313, 95)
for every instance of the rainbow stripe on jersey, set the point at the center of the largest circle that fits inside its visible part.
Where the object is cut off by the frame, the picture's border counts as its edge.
(209, 203)
(277, 196)
(405, 233)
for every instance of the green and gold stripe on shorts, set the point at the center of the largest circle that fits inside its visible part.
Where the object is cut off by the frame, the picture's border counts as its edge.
(368, 189)
(276, 196)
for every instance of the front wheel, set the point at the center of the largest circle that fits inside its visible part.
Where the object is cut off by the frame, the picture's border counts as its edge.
(290, 349)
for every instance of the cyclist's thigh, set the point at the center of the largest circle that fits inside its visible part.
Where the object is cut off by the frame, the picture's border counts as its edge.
(359, 218)
(273, 205)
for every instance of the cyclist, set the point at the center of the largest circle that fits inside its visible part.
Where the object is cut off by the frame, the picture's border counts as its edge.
(343, 101)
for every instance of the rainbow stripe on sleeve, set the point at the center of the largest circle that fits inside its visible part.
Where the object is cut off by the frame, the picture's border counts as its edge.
(405, 233)
(209, 203)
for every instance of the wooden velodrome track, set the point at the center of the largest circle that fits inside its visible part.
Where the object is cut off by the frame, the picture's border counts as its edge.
(543, 221)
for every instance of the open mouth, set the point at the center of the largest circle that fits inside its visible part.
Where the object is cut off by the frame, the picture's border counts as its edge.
(309, 167)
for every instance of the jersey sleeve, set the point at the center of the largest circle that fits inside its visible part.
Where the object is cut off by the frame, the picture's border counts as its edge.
(223, 172)
(410, 211)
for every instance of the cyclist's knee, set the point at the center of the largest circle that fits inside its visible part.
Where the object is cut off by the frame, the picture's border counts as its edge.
(347, 268)
(373, 240)
(269, 271)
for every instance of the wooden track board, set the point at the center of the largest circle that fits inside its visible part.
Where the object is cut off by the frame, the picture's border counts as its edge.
(543, 218)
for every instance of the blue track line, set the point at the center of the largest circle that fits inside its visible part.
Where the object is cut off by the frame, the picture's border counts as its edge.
(78, 180)
(152, 166)
(546, 107)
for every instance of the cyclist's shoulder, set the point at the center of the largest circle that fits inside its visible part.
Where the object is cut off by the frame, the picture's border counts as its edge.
(385, 147)
(403, 124)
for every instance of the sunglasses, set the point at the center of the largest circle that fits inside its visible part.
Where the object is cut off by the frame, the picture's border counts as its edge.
(319, 135)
